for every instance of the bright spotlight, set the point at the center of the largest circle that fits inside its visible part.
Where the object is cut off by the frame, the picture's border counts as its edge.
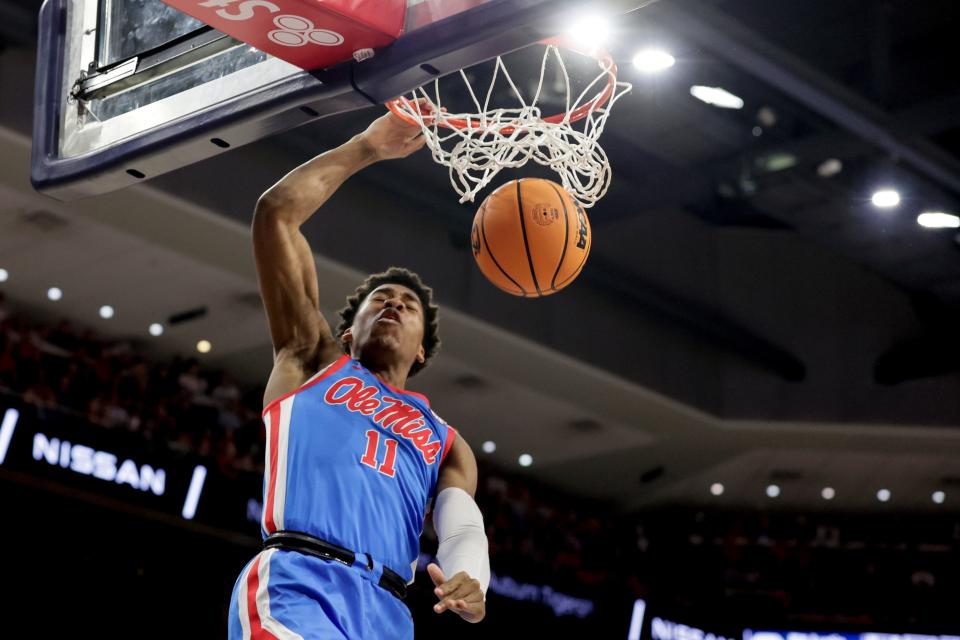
(716, 96)
(716, 489)
(828, 493)
(156, 329)
(54, 293)
(653, 60)
(204, 346)
(885, 198)
(525, 460)
(938, 497)
(489, 446)
(106, 312)
(773, 491)
(589, 30)
(938, 220)
(4, 274)
(883, 495)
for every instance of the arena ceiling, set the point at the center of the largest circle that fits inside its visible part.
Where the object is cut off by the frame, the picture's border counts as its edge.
(736, 301)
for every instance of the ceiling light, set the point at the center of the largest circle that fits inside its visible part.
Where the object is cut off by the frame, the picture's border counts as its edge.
(589, 30)
(716, 489)
(653, 60)
(767, 116)
(938, 220)
(938, 497)
(777, 161)
(4, 275)
(716, 96)
(156, 329)
(757, 132)
(883, 495)
(829, 168)
(204, 346)
(525, 460)
(885, 198)
(828, 493)
(489, 446)
(54, 293)
(773, 491)
(106, 312)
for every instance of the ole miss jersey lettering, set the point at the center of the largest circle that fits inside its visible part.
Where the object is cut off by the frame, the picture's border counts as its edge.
(354, 461)
(389, 413)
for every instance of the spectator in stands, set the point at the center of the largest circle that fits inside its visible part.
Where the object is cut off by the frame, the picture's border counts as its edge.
(40, 394)
(191, 381)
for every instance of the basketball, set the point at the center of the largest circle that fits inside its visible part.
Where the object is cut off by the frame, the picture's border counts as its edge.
(530, 238)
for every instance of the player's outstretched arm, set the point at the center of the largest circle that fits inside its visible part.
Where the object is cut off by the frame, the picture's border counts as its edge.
(463, 573)
(302, 340)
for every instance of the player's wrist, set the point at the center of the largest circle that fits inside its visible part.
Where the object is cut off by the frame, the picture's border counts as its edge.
(368, 151)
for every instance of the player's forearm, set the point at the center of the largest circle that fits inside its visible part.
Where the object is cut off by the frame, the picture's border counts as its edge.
(463, 541)
(299, 194)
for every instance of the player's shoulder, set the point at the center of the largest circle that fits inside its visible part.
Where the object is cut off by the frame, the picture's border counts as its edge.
(436, 416)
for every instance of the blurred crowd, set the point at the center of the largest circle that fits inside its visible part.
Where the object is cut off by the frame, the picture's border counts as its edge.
(177, 406)
(816, 569)
(881, 571)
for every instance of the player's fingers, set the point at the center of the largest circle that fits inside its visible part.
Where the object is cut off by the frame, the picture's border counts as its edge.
(445, 601)
(466, 590)
(470, 611)
(454, 604)
(436, 574)
(474, 596)
(423, 107)
(471, 603)
(445, 589)
(424, 104)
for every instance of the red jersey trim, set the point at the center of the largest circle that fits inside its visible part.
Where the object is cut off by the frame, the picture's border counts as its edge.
(451, 436)
(274, 444)
(331, 368)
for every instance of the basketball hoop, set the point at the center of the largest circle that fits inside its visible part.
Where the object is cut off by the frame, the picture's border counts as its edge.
(477, 145)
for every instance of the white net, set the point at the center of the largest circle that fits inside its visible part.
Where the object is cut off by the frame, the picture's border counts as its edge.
(476, 146)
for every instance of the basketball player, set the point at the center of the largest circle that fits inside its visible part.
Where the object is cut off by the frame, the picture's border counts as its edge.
(352, 457)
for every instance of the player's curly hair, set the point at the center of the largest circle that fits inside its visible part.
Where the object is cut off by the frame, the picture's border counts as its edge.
(407, 278)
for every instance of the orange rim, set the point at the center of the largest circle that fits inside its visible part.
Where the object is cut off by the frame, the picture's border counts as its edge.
(581, 112)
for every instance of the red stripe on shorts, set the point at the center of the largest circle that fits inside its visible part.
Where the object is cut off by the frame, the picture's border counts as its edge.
(257, 632)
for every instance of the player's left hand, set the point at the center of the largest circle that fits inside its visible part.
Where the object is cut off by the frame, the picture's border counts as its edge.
(460, 594)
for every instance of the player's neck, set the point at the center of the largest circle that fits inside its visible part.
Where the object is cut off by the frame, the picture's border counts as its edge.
(395, 379)
(394, 374)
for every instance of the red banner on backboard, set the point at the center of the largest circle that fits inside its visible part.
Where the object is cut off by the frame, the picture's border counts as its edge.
(312, 34)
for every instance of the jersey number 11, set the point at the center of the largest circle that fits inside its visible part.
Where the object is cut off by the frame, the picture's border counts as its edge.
(370, 455)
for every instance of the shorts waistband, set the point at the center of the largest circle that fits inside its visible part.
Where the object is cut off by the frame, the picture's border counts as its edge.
(313, 546)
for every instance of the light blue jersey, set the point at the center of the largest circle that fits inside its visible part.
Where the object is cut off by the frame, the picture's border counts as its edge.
(353, 461)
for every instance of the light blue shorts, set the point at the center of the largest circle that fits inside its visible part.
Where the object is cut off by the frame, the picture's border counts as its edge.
(288, 596)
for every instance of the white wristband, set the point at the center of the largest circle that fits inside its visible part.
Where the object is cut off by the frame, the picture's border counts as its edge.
(463, 540)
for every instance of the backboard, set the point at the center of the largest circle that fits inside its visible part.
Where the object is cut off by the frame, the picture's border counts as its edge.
(130, 89)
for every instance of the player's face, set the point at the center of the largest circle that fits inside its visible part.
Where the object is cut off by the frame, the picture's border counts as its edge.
(389, 323)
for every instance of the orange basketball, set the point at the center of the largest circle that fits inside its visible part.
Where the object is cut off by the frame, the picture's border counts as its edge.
(530, 238)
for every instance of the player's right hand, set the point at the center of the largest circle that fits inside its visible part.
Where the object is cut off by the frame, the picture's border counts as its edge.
(390, 136)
